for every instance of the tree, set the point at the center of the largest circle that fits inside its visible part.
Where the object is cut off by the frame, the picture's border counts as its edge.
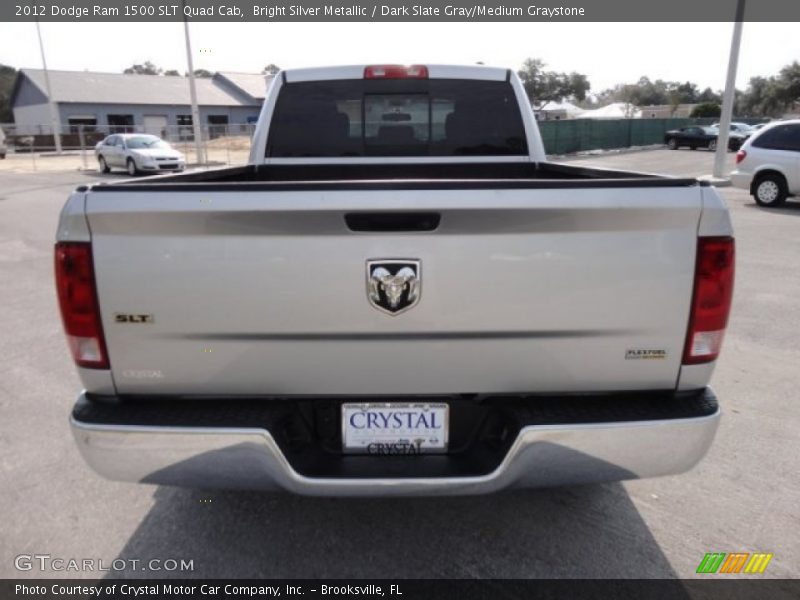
(761, 98)
(271, 69)
(201, 73)
(578, 85)
(687, 93)
(789, 84)
(172, 73)
(709, 95)
(706, 109)
(550, 86)
(7, 77)
(147, 68)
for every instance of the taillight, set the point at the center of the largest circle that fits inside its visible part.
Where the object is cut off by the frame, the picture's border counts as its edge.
(77, 298)
(740, 156)
(711, 301)
(396, 72)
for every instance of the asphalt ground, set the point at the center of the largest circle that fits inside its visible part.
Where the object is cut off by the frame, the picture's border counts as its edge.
(742, 498)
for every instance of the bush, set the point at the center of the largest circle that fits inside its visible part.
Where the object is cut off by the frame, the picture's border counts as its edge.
(706, 109)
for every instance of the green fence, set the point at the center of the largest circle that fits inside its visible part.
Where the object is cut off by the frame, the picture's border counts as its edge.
(581, 135)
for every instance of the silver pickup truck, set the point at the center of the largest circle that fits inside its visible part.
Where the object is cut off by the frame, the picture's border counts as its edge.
(398, 295)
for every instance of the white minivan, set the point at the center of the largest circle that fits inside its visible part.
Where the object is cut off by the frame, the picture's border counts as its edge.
(768, 164)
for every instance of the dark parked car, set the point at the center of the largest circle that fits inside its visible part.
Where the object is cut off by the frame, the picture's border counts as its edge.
(700, 137)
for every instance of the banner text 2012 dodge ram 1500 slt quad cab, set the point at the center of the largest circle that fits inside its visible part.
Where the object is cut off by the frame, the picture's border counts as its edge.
(398, 295)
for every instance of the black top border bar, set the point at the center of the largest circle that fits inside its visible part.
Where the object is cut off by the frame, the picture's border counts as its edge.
(400, 10)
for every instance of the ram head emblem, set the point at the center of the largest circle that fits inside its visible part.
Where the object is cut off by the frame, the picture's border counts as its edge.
(393, 286)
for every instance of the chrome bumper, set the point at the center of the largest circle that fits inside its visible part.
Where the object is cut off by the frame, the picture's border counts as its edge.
(250, 458)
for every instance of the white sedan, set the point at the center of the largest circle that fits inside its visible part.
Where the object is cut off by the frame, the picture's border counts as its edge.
(137, 153)
(768, 164)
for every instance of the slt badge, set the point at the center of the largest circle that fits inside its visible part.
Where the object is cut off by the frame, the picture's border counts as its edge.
(394, 286)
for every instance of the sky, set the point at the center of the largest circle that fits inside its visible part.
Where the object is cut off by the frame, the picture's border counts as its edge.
(608, 53)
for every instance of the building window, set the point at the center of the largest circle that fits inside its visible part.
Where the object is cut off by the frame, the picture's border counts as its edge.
(89, 123)
(120, 123)
(185, 123)
(217, 126)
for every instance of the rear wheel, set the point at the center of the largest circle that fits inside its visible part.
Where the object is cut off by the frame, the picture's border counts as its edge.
(770, 190)
(712, 145)
(102, 165)
(672, 144)
(131, 166)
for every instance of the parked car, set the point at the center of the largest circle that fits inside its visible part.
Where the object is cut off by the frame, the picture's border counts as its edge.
(369, 309)
(696, 136)
(3, 148)
(137, 153)
(768, 165)
(736, 127)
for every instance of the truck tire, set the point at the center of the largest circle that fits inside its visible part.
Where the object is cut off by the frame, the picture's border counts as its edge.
(770, 190)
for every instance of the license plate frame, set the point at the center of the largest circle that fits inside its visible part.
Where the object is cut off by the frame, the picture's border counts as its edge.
(396, 441)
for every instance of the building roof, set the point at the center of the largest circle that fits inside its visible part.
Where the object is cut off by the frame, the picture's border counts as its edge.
(616, 110)
(120, 88)
(567, 107)
(253, 84)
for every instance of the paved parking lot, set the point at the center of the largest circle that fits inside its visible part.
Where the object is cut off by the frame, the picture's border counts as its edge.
(742, 497)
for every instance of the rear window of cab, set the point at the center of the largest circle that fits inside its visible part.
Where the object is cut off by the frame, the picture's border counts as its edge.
(402, 117)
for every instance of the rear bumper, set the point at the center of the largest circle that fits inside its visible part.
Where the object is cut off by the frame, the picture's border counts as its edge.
(741, 179)
(131, 448)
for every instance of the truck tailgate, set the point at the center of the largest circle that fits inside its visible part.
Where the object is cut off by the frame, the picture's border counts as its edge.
(522, 290)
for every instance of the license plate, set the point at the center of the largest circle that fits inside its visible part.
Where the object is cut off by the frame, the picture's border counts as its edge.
(394, 428)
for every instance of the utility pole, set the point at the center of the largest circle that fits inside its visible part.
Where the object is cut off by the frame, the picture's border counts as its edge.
(198, 131)
(55, 122)
(729, 96)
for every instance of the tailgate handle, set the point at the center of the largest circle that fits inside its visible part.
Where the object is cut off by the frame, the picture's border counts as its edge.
(392, 221)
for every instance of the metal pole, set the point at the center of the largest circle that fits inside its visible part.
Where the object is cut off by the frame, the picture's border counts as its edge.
(82, 139)
(198, 142)
(55, 123)
(228, 143)
(728, 98)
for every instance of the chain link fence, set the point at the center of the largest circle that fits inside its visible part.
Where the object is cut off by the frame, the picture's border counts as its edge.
(568, 136)
(34, 147)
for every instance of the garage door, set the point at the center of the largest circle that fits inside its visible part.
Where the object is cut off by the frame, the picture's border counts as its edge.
(156, 125)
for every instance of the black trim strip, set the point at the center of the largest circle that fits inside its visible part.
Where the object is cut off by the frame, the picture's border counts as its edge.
(400, 176)
(403, 335)
(485, 184)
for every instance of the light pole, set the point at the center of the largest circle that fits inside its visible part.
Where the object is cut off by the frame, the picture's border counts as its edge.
(55, 122)
(198, 132)
(729, 96)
